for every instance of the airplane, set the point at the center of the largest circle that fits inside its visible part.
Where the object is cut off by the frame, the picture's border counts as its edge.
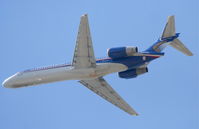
(126, 61)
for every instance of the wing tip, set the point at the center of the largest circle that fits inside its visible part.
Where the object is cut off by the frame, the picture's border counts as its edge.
(135, 114)
(171, 16)
(85, 15)
(189, 53)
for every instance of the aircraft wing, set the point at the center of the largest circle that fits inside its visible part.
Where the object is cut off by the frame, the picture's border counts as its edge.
(103, 89)
(84, 54)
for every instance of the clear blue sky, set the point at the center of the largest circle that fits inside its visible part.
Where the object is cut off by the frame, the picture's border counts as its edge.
(37, 33)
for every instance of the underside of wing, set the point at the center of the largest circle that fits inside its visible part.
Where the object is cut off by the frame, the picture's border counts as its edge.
(103, 89)
(84, 54)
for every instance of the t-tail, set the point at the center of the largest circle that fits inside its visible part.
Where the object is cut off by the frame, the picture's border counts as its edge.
(169, 37)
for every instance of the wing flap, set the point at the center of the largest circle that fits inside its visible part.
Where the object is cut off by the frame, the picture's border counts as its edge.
(103, 89)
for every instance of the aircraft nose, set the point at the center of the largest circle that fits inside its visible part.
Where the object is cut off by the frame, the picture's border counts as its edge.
(6, 83)
(10, 82)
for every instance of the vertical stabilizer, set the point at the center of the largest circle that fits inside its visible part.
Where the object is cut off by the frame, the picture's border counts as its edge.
(170, 37)
(169, 29)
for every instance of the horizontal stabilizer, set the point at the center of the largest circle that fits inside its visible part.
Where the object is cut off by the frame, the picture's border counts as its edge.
(177, 44)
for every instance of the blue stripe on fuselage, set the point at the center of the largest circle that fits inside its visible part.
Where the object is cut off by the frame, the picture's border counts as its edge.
(131, 62)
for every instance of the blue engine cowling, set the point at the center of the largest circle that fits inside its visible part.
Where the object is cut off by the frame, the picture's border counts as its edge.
(119, 52)
(132, 73)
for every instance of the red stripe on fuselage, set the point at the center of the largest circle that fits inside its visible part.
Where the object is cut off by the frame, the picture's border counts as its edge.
(103, 59)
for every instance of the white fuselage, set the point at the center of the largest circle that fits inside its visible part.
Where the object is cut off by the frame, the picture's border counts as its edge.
(54, 74)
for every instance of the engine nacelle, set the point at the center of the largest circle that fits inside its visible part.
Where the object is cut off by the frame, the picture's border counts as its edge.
(132, 73)
(119, 52)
